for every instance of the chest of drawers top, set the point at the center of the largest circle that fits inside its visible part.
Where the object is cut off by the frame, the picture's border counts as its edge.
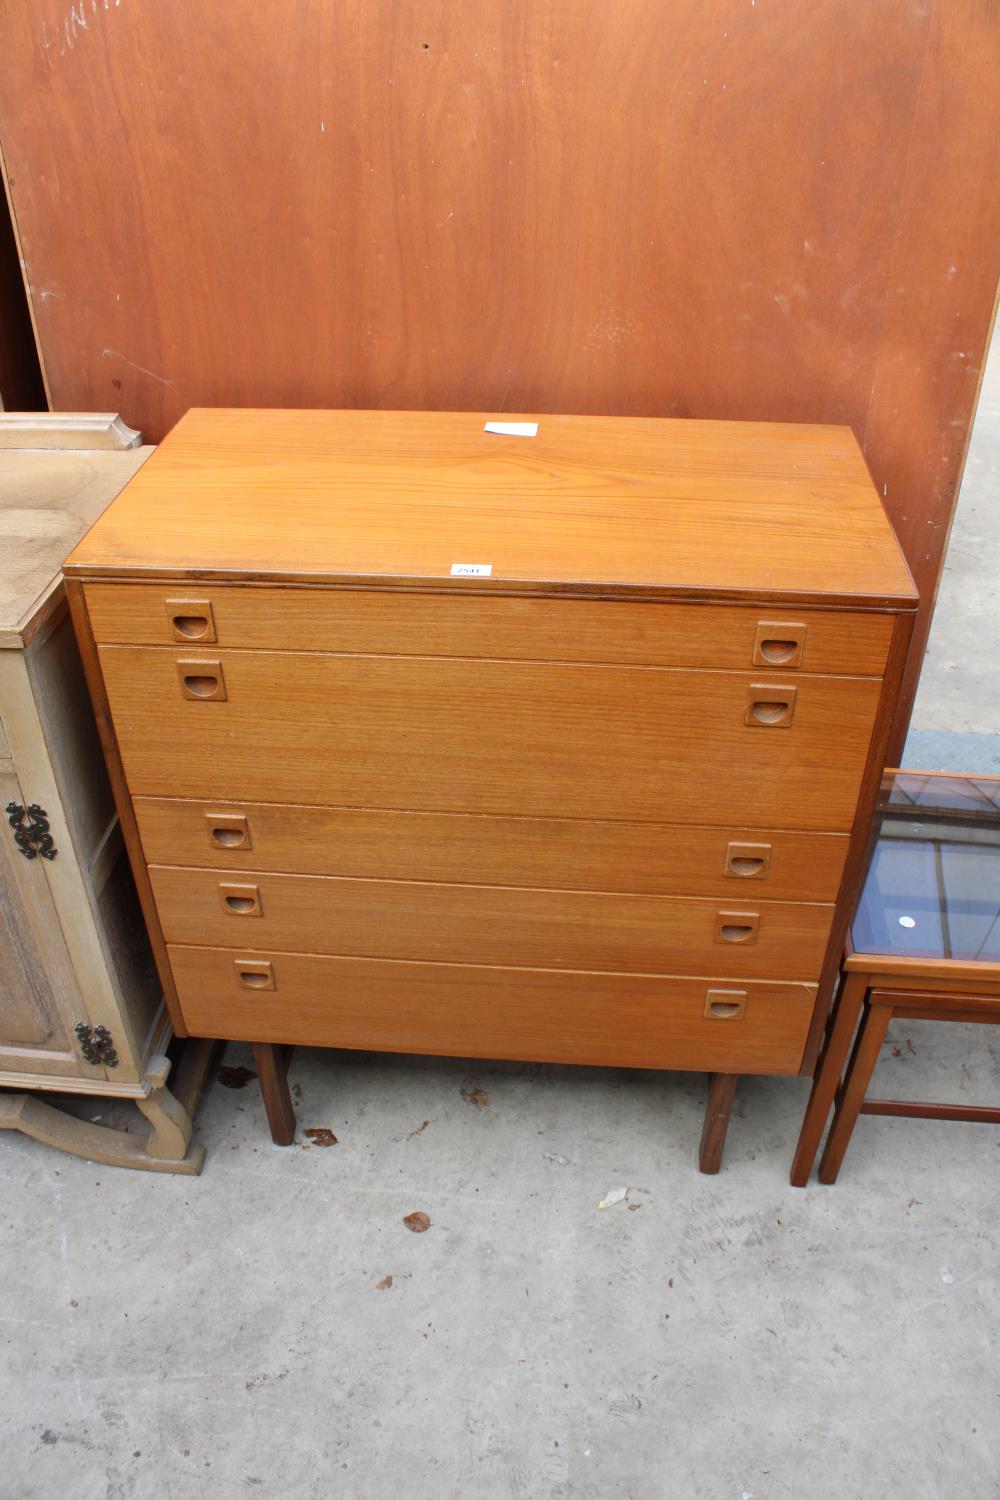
(621, 508)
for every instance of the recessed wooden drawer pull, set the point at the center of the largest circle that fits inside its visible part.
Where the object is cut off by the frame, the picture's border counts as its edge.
(241, 900)
(779, 643)
(254, 974)
(725, 1005)
(202, 680)
(737, 927)
(190, 620)
(748, 861)
(228, 831)
(771, 706)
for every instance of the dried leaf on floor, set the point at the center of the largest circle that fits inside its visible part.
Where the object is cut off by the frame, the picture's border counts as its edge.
(321, 1136)
(384, 1284)
(417, 1223)
(235, 1078)
(477, 1097)
(420, 1128)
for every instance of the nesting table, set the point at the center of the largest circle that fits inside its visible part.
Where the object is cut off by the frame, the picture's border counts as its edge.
(924, 944)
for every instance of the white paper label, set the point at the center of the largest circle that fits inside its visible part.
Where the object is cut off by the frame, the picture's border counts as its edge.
(471, 570)
(513, 429)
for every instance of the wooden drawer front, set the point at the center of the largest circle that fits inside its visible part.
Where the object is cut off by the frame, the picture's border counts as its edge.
(558, 853)
(615, 1020)
(491, 925)
(691, 635)
(458, 736)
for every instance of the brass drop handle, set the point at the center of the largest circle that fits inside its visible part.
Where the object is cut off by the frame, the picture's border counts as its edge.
(228, 831)
(736, 926)
(202, 680)
(770, 705)
(748, 861)
(725, 1005)
(190, 620)
(254, 974)
(779, 643)
(240, 900)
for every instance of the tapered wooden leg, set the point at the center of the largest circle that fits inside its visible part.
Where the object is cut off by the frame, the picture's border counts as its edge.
(721, 1093)
(859, 1071)
(272, 1064)
(826, 1079)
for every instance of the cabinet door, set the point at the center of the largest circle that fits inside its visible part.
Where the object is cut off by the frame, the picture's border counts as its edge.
(40, 1001)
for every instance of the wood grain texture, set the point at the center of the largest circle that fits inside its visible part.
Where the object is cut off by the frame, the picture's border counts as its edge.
(764, 212)
(123, 804)
(563, 854)
(439, 735)
(863, 830)
(601, 505)
(349, 620)
(51, 431)
(629, 1021)
(272, 1070)
(47, 501)
(480, 924)
(900, 970)
(40, 998)
(719, 1108)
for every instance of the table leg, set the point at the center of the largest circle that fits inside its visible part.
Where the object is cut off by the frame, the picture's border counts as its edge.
(859, 1071)
(853, 989)
(272, 1065)
(721, 1093)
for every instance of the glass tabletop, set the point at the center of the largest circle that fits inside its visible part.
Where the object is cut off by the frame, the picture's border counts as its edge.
(933, 886)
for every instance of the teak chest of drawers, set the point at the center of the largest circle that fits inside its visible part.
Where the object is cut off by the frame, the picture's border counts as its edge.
(559, 748)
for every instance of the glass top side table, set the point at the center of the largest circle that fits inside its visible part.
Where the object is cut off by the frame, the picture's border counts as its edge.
(924, 943)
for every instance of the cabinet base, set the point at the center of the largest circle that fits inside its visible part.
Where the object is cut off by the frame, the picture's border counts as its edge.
(168, 1146)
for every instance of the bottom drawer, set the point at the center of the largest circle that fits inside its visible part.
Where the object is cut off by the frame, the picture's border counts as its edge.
(462, 1010)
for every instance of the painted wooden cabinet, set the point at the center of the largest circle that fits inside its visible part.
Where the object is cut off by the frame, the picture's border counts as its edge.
(81, 1005)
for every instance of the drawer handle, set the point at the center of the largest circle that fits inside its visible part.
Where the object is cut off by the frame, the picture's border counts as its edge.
(773, 707)
(228, 831)
(254, 974)
(202, 680)
(190, 620)
(725, 1005)
(748, 861)
(779, 643)
(737, 926)
(241, 900)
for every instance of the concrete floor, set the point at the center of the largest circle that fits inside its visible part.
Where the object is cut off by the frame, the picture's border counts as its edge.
(728, 1338)
(732, 1337)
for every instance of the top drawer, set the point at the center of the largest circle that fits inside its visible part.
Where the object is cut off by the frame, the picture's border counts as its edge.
(738, 637)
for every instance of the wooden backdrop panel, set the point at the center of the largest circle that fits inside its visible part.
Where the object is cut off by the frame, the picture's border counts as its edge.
(714, 208)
